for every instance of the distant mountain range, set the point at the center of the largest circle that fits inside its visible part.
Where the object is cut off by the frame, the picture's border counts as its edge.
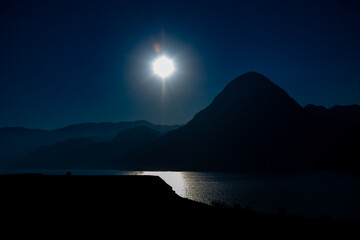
(252, 125)
(343, 116)
(17, 142)
(85, 153)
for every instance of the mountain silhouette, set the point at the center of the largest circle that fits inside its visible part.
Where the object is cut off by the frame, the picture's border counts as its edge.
(251, 125)
(17, 142)
(344, 116)
(84, 153)
(140, 135)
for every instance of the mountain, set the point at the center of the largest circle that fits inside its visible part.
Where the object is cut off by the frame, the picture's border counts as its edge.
(344, 116)
(84, 153)
(17, 142)
(109, 130)
(140, 135)
(252, 125)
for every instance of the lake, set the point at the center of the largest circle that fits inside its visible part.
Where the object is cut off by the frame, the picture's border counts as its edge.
(309, 194)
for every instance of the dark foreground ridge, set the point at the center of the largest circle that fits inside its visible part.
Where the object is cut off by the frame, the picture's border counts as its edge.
(134, 200)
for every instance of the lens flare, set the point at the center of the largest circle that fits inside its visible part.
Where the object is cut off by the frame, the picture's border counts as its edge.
(157, 47)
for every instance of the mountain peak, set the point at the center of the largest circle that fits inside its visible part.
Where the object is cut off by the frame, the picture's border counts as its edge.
(251, 124)
(250, 97)
(252, 85)
(250, 78)
(252, 75)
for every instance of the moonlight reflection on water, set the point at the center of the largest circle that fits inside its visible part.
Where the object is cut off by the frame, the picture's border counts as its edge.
(310, 194)
(175, 179)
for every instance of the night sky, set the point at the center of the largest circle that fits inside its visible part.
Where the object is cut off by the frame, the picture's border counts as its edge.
(66, 62)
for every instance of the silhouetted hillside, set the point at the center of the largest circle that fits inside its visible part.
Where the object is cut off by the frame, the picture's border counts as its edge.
(344, 116)
(86, 154)
(109, 130)
(137, 135)
(344, 154)
(17, 142)
(251, 125)
(138, 202)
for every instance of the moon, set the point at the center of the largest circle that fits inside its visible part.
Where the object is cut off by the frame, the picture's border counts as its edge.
(163, 66)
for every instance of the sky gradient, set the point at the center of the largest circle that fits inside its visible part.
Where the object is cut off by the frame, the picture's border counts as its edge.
(67, 62)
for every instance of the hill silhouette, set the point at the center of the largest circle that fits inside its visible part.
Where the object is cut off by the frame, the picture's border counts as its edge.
(252, 125)
(18, 142)
(343, 116)
(84, 153)
(143, 202)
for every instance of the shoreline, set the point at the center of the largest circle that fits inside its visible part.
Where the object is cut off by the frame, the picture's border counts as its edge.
(104, 195)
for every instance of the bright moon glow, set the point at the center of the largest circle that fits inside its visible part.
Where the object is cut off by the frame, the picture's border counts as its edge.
(176, 180)
(163, 67)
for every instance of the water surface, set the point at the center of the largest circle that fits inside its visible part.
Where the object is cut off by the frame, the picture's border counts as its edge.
(310, 194)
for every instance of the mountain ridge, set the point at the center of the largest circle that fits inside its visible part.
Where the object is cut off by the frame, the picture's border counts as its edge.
(251, 113)
(340, 115)
(252, 125)
(83, 153)
(17, 142)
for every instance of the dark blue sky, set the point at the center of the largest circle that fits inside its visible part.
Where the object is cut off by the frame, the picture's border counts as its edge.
(65, 62)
